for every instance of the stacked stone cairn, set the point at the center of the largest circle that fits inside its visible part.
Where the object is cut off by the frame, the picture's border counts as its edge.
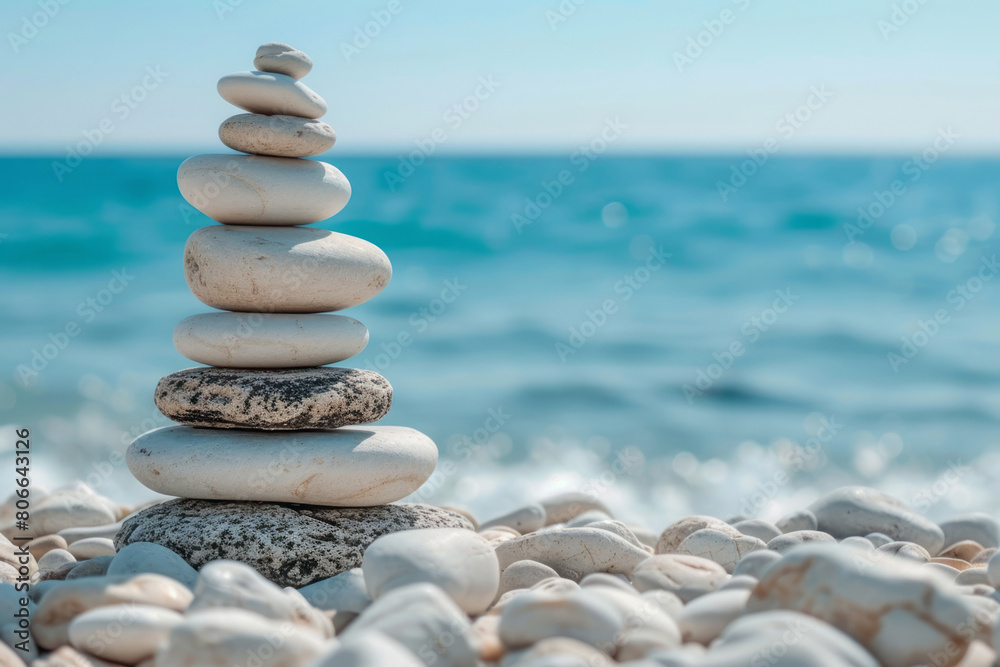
(269, 461)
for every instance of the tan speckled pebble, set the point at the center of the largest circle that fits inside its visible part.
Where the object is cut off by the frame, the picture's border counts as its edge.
(523, 574)
(278, 136)
(282, 270)
(726, 550)
(574, 552)
(122, 633)
(675, 533)
(42, 545)
(533, 616)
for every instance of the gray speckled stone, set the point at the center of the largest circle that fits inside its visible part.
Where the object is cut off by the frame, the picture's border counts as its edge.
(274, 400)
(292, 545)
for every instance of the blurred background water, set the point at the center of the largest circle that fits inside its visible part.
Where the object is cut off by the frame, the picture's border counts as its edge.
(526, 377)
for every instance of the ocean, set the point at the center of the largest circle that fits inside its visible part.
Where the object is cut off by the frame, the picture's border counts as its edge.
(682, 334)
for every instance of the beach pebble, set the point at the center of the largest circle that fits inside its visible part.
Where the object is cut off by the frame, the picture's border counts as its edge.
(277, 136)
(9, 657)
(966, 550)
(269, 340)
(290, 399)
(499, 535)
(368, 649)
(903, 613)
(574, 552)
(637, 613)
(617, 581)
(859, 543)
(271, 93)
(65, 602)
(739, 582)
(944, 570)
(225, 585)
(92, 547)
(260, 190)
(281, 58)
(647, 536)
(122, 633)
(977, 526)
(716, 546)
(109, 530)
(704, 618)
(784, 542)
(859, 510)
(54, 560)
(762, 530)
(756, 562)
(983, 556)
(973, 576)
(621, 530)
(424, 619)
(238, 637)
(783, 638)
(524, 520)
(40, 546)
(464, 511)
(672, 536)
(524, 574)
(686, 576)
(993, 571)
(878, 539)
(282, 270)
(459, 562)
(533, 616)
(313, 543)
(796, 521)
(566, 506)
(588, 518)
(558, 652)
(146, 557)
(92, 567)
(356, 466)
(76, 506)
(907, 550)
(343, 592)
(11, 558)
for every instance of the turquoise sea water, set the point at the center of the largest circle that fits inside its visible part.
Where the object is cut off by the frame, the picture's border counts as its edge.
(623, 329)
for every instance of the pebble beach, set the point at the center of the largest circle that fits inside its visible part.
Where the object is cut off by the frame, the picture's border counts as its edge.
(289, 535)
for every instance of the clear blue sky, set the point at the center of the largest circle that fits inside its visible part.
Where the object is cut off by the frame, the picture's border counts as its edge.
(558, 85)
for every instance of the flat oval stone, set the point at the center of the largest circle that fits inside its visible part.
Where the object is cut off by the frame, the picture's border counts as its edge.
(278, 136)
(348, 467)
(292, 545)
(269, 340)
(282, 270)
(281, 58)
(262, 190)
(573, 552)
(274, 400)
(271, 93)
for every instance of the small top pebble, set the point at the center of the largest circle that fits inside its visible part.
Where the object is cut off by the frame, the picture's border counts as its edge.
(280, 58)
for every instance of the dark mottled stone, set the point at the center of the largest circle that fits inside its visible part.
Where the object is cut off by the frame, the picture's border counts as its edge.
(279, 400)
(292, 545)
